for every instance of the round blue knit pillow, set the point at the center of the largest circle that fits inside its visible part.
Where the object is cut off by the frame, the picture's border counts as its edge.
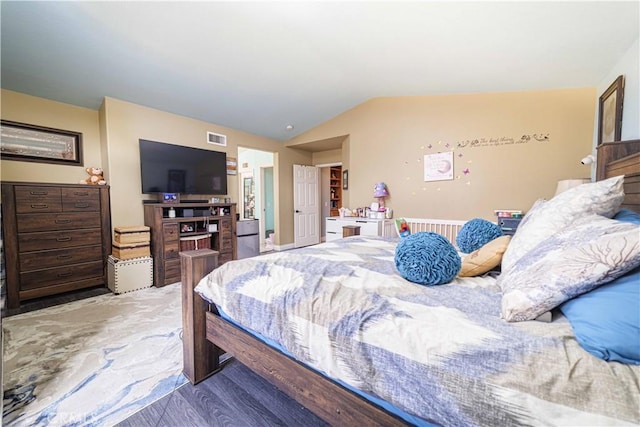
(477, 233)
(427, 259)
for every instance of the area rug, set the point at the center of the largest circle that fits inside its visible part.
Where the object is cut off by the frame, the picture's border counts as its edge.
(94, 361)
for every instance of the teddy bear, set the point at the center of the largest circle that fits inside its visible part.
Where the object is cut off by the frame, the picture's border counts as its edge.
(95, 177)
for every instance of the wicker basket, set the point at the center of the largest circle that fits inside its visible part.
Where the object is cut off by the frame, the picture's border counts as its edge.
(193, 243)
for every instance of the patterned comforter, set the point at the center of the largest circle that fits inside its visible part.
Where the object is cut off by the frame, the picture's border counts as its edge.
(441, 353)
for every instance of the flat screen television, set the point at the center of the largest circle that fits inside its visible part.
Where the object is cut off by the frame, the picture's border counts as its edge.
(169, 168)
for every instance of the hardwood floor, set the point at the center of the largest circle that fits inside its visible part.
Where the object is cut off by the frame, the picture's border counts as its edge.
(234, 396)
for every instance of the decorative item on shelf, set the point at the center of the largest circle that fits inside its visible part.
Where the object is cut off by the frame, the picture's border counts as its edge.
(380, 192)
(172, 213)
(566, 184)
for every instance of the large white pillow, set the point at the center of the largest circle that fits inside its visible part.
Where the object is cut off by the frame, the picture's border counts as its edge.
(592, 251)
(545, 219)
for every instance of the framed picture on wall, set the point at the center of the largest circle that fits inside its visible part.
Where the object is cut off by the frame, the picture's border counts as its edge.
(610, 112)
(31, 143)
(345, 179)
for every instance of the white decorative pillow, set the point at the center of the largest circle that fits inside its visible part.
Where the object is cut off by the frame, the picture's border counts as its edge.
(545, 219)
(592, 251)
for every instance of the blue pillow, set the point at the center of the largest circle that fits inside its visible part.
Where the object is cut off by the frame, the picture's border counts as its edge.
(627, 215)
(427, 258)
(476, 233)
(606, 320)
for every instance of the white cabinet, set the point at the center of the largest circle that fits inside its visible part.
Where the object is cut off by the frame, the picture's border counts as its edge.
(368, 226)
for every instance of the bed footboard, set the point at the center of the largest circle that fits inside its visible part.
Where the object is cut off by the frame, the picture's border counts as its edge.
(200, 357)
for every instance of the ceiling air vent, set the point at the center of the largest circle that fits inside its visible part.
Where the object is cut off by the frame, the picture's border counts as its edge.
(217, 139)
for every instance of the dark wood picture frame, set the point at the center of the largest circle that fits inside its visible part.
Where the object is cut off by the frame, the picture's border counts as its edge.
(345, 179)
(32, 143)
(610, 112)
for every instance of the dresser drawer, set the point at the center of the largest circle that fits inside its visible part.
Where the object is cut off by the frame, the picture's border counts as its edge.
(225, 225)
(80, 200)
(368, 228)
(172, 249)
(31, 223)
(226, 244)
(31, 199)
(334, 226)
(28, 242)
(224, 257)
(59, 257)
(170, 232)
(55, 276)
(172, 271)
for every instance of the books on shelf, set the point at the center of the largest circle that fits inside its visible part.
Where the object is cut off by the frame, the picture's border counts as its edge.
(508, 213)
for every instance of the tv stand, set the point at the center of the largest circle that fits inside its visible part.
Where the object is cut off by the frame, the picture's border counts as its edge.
(215, 222)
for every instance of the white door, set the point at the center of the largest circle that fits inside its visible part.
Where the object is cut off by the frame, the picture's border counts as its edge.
(306, 205)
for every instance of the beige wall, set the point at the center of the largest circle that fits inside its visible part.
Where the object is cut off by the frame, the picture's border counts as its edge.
(327, 157)
(23, 108)
(126, 123)
(388, 138)
(110, 140)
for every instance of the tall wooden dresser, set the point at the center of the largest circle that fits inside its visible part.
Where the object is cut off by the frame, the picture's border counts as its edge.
(57, 238)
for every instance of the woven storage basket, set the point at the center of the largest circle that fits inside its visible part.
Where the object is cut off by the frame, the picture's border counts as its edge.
(193, 243)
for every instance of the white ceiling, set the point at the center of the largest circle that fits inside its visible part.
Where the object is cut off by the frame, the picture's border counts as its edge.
(262, 65)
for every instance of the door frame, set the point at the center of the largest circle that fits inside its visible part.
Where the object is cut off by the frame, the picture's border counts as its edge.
(323, 166)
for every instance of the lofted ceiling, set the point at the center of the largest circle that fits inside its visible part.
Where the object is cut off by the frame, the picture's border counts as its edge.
(260, 66)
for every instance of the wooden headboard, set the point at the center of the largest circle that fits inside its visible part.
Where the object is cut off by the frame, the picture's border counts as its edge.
(621, 158)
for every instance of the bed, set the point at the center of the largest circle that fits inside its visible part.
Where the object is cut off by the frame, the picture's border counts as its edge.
(401, 353)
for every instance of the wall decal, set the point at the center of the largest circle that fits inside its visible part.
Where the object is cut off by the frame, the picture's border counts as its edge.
(503, 140)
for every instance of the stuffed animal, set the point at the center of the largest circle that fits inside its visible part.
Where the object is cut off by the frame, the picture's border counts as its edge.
(95, 177)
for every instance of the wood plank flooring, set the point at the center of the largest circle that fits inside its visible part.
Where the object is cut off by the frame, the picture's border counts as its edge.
(234, 396)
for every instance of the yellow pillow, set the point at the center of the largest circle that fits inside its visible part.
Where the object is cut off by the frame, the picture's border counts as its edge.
(484, 259)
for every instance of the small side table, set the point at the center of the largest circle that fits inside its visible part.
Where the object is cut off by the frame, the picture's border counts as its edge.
(350, 230)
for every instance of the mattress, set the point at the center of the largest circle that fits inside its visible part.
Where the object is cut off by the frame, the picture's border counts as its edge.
(441, 353)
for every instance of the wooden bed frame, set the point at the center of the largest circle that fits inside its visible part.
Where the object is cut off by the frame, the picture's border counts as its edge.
(205, 333)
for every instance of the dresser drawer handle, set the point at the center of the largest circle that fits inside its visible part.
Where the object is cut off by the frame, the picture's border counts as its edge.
(81, 204)
(38, 193)
(64, 239)
(64, 256)
(39, 206)
(65, 274)
(63, 221)
(81, 193)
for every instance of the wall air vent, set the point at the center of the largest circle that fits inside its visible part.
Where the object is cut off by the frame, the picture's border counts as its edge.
(217, 139)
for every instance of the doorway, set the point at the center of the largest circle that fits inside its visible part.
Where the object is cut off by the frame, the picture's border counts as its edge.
(256, 192)
(331, 197)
